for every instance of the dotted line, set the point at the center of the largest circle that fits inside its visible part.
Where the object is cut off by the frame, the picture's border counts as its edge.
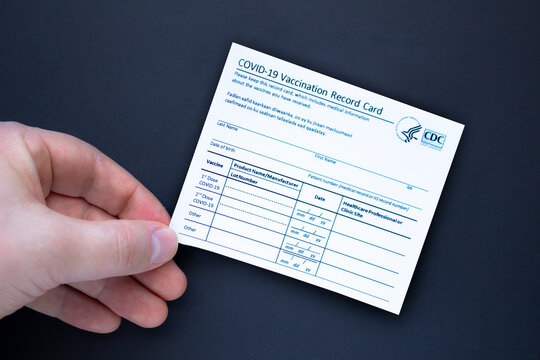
(245, 192)
(232, 207)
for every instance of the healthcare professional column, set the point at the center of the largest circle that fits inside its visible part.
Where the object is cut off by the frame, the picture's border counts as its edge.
(366, 249)
(205, 197)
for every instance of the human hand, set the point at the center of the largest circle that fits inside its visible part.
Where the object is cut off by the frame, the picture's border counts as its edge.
(74, 226)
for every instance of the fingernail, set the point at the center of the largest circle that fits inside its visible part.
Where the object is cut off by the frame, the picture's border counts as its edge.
(164, 245)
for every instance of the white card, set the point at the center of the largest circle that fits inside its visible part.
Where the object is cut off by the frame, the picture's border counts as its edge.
(316, 179)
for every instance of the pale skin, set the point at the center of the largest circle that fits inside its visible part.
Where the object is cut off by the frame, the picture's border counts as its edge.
(80, 238)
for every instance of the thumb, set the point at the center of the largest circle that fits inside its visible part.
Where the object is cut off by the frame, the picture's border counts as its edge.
(89, 250)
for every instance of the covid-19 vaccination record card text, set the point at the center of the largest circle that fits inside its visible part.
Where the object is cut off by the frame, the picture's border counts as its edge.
(314, 178)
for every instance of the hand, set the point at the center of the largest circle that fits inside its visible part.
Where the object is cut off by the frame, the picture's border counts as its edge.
(74, 226)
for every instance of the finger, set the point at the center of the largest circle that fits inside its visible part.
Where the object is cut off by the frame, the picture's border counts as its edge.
(76, 207)
(80, 170)
(128, 299)
(167, 281)
(80, 250)
(77, 309)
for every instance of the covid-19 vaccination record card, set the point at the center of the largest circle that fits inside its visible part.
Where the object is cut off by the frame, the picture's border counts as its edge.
(315, 179)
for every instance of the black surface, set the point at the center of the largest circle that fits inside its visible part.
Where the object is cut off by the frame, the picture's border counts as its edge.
(136, 79)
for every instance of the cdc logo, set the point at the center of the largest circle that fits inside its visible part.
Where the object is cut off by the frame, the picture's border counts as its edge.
(406, 129)
(433, 139)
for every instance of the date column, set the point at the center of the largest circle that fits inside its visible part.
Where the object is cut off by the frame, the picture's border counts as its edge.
(311, 223)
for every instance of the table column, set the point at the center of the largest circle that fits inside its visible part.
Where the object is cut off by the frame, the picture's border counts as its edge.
(206, 195)
(366, 248)
(253, 211)
(309, 229)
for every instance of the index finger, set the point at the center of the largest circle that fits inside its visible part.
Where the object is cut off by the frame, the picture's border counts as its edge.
(80, 170)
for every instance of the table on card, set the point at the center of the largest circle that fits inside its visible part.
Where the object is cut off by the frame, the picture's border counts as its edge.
(295, 224)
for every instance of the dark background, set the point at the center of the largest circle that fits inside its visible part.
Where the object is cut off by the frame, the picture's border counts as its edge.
(136, 78)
